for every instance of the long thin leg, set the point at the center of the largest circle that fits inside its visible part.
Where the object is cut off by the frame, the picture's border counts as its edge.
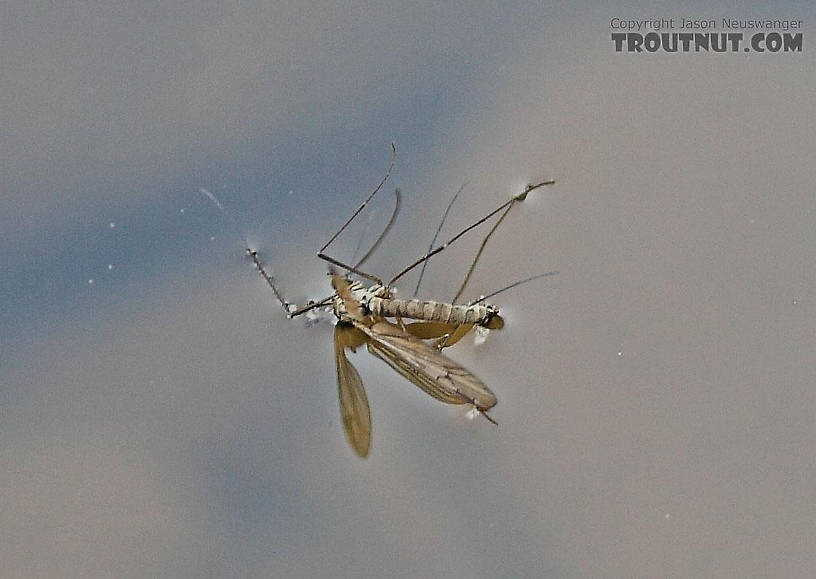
(520, 197)
(325, 301)
(376, 244)
(436, 235)
(292, 310)
(350, 268)
(338, 263)
(512, 285)
(481, 249)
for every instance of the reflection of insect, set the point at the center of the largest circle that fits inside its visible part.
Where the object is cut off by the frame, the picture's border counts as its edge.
(362, 319)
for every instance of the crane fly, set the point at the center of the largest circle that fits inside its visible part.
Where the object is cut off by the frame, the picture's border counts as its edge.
(362, 319)
(409, 355)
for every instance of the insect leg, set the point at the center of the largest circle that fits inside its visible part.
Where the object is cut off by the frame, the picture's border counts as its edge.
(391, 221)
(520, 197)
(338, 263)
(433, 240)
(512, 285)
(481, 249)
(325, 301)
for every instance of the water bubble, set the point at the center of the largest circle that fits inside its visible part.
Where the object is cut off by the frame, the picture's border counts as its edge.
(473, 413)
(480, 335)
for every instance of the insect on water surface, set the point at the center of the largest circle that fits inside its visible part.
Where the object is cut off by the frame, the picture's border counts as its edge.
(362, 319)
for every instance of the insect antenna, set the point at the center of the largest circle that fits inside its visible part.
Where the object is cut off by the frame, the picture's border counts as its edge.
(256, 260)
(251, 253)
(310, 306)
(520, 197)
(291, 310)
(288, 307)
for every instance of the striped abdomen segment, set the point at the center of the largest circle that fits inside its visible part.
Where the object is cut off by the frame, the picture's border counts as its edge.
(478, 314)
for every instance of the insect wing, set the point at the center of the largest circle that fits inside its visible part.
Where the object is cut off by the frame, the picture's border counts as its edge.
(433, 372)
(354, 410)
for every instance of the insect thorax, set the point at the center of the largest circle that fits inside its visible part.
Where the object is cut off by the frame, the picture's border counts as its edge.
(352, 299)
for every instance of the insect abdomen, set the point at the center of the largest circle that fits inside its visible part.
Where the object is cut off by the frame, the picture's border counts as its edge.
(432, 311)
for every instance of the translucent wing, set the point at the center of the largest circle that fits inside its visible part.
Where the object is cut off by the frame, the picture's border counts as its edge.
(425, 366)
(354, 410)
